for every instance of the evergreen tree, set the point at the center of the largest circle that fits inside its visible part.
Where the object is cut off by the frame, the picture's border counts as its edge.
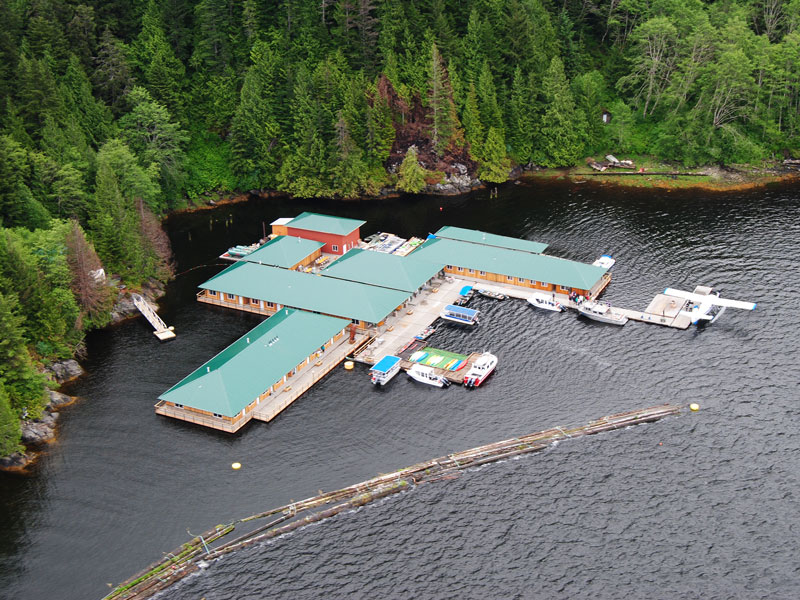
(112, 76)
(561, 132)
(156, 140)
(23, 384)
(495, 166)
(10, 432)
(411, 174)
(473, 128)
(521, 119)
(446, 128)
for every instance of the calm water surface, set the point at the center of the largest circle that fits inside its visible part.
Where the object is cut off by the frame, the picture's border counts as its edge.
(703, 505)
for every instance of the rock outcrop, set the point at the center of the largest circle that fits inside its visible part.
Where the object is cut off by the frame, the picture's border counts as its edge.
(65, 370)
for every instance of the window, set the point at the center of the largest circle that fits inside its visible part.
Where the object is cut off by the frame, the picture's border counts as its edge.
(254, 301)
(534, 282)
(178, 405)
(460, 269)
(219, 416)
(482, 272)
(270, 305)
(470, 271)
(355, 321)
(334, 247)
(230, 296)
(448, 266)
(211, 292)
(563, 289)
(509, 277)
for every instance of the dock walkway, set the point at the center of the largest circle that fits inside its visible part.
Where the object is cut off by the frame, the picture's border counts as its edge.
(162, 332)
(304, 379)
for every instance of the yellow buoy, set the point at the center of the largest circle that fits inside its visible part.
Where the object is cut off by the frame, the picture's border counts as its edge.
(236, 466)
(694, 407)
(348, 365)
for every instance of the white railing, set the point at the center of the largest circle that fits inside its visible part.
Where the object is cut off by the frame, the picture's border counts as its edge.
(149, 313)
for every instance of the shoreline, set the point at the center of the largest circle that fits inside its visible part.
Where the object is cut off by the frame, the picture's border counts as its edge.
(708, 179)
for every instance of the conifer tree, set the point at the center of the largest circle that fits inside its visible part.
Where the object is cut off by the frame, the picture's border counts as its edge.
(473, 128)
(495, 164)
(411, 174)
(10, 433)
(446, 128)
(561, 133)
(521, 119)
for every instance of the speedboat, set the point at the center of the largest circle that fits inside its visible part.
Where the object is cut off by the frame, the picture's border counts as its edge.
(459, 314)
(480, 370)
(599, 310)
(427, 375)
(491, 294)
(546, 302)
(606, 261)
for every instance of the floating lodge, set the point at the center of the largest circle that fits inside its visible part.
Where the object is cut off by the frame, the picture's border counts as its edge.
(316, 280)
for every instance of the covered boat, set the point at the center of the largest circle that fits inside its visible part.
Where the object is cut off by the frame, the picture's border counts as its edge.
(460, 314)
(491, 294)
(385, 369)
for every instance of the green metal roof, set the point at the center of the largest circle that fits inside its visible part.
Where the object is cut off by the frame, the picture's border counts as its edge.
(309, 292)
(489, 239)
(241, 372)
(284, 251)
(385, 270)
(537, 267)
(325, 223)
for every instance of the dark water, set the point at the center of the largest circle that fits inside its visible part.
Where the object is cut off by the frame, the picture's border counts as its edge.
(703, 505)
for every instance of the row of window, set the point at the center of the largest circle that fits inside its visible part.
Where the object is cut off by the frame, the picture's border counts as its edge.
(510, 278)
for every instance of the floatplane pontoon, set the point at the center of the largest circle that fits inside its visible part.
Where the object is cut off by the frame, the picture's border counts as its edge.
(704, 304)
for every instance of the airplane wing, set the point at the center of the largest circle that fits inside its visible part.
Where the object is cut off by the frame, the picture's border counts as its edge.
(711, 299)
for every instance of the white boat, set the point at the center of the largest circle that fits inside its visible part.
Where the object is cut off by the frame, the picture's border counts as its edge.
(459, 314)
(601, 311)
(606, 261)
(427, 375)
(545, 301)
(480, 370)
(385, 369)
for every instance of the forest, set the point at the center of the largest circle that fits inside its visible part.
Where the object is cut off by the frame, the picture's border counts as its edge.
(115, 112)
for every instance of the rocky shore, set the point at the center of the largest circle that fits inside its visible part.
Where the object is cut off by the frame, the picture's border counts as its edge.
(40, 431)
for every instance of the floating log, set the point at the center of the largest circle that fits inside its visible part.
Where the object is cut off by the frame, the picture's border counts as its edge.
(188, 558)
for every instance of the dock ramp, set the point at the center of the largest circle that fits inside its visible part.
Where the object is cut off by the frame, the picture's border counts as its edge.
(162, 332)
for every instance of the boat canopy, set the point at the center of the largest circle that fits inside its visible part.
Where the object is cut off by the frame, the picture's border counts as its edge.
(460, 310)
(386, 363)
(465, 290)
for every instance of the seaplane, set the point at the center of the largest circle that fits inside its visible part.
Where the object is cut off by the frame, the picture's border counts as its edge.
(705, 305)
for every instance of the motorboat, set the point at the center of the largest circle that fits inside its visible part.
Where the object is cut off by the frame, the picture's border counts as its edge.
(545, 301)
(599, 310)
(465, 295)
(480, 370)
(606, 261)
(425, 333)
(427, 375)
(460, 314)
(491, 294)
(385, 369)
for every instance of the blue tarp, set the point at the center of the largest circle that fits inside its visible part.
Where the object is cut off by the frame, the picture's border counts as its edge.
(465, 290)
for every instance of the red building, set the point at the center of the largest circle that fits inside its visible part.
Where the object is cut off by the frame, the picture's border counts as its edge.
(338, 234)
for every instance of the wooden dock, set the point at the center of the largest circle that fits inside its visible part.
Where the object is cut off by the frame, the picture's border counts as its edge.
(663, 310)
(162, 332)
